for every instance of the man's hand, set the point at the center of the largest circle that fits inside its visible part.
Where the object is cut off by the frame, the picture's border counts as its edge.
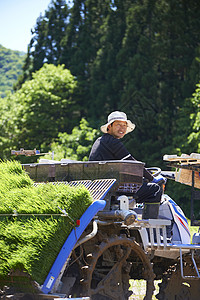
(159, 179)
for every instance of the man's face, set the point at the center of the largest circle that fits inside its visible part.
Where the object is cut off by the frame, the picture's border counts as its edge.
(117, 129)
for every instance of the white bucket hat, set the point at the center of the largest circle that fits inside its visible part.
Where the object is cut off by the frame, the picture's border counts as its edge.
(118, 116)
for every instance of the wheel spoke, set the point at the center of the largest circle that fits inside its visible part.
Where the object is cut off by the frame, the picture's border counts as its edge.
(108, 274)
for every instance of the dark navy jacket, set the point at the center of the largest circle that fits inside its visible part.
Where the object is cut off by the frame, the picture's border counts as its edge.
(109, 148)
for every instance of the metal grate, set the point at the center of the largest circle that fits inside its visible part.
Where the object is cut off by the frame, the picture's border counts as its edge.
(98, 188)
(53, 183)
(86, 183)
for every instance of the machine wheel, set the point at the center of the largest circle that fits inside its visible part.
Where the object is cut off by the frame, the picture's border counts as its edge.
(174, 287)
(106, 277)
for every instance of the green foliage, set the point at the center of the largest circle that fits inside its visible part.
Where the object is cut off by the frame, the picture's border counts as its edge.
(11, 63)
(31, 243)
(140, 57)
(35, 114)
(193, 138)
(75, 146)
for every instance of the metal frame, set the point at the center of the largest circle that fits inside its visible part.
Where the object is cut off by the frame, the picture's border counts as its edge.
(158, 241)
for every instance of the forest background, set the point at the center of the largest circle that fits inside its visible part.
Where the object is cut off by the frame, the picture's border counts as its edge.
(87, 58)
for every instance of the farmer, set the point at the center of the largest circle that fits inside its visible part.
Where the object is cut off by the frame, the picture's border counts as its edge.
(109, 147)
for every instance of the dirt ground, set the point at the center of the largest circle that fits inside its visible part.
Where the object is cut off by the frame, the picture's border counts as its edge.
(139, 288)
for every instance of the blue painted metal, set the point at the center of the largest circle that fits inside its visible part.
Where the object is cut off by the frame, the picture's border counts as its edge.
(70, 243)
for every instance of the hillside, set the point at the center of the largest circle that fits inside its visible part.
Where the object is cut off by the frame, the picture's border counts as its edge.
(11, 63)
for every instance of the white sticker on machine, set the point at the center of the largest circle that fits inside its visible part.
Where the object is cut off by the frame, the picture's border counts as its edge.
(49, 283)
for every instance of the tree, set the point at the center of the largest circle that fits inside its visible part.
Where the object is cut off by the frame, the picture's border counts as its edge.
(74, 146)
(11, 63)
(46, 42)
(159, 48)
(193, 139)
(139, 57)
(43, 106)
(81, 44)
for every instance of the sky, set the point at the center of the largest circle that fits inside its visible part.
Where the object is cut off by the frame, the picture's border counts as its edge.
(17, 17)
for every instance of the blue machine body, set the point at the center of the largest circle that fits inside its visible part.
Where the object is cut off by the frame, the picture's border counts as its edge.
(69, 245)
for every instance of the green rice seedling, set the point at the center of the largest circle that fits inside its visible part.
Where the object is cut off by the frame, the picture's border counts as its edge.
(12, 167)
(13, 176)
(34, 231)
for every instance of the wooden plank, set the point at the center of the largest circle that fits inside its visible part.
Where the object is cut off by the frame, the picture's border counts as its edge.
(185, 165)
(193, 158)
(185, 176)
